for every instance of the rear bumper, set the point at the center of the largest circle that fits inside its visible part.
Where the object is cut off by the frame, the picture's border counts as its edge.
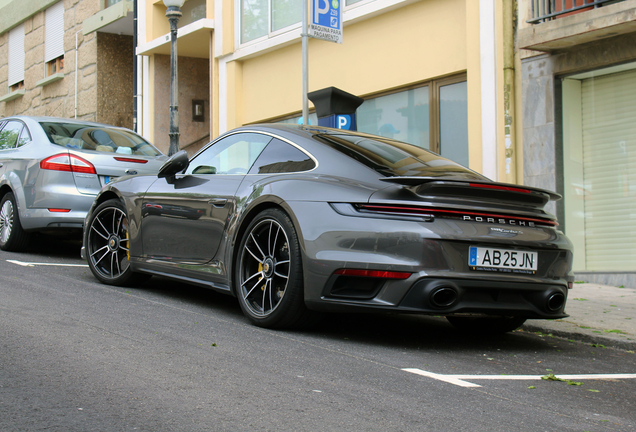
(447, 296)
(436, 254)
(42, 219)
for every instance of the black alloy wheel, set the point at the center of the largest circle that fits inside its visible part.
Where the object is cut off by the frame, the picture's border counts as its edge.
(12, 236)
(486, 325)
(107, 247)
(269, 280)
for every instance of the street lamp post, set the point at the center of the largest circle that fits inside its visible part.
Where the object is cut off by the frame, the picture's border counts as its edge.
(174, 13)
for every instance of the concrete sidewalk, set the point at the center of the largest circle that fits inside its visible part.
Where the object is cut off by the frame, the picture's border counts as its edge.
(599, 314)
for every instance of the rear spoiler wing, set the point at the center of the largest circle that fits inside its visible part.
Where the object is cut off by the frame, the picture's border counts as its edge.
(435, 182)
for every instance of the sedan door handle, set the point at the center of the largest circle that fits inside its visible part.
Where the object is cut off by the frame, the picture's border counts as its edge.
(218, 202)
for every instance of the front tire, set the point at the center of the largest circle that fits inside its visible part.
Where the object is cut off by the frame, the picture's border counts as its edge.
(13, 238)
(268, 272)
(107, 245)
(486, 325)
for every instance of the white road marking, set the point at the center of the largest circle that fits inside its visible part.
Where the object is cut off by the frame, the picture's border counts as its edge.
(460, 380)
(32, 264)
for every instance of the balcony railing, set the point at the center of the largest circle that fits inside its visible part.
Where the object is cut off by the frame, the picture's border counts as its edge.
(547, 10)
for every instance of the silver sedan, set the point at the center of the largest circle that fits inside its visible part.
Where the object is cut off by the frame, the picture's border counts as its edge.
(51, 169)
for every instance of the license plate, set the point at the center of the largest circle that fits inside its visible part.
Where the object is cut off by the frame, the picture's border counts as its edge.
(107, 179)
(502, 260)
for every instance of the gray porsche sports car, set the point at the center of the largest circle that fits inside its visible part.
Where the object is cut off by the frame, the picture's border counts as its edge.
(295, 220)
(52, 168)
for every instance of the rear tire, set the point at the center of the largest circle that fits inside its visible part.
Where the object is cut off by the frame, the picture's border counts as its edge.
(486, 325)
(13, 238)
(107, 245)
(268, 273)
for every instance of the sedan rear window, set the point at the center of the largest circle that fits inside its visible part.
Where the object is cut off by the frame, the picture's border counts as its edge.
(98, 138)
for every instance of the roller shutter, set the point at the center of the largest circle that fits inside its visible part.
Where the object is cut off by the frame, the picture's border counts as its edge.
(609, 171)
(16, 55)
(54, 32)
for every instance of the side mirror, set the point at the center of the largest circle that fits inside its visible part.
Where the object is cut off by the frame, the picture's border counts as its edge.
(177, 163)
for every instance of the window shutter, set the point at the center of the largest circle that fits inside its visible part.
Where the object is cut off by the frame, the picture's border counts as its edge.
(16, 55)
(54, 32)
(609, 171)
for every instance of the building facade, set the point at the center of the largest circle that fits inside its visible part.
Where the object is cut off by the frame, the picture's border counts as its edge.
(578, 68)
(431, 72)
(52, 64)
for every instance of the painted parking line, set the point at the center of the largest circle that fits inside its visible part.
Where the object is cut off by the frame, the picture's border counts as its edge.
(464, 380)
(32, 264)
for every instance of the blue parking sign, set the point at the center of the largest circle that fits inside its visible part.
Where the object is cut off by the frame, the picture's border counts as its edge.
(326, 20)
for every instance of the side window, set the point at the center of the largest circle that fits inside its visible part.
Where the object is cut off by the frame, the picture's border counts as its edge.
(25, 137)
(9, 135)
(280, 157)
(234, 154)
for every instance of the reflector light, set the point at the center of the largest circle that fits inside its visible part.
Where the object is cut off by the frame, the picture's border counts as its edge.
(498, 187)
(373, 273)
(123, 159)
(54, 210)
(67, 162)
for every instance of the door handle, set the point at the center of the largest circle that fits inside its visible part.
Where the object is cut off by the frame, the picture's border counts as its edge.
(218, 202)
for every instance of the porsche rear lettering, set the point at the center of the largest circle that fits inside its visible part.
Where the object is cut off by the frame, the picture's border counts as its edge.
(498, 220)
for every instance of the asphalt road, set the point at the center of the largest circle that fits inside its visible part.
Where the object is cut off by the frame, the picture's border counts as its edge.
(76, 355)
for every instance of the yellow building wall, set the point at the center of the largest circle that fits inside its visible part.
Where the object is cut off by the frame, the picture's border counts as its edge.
(415, 43)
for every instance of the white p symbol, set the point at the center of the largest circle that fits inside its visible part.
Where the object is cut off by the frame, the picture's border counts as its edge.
(320, 11)
(342, 122)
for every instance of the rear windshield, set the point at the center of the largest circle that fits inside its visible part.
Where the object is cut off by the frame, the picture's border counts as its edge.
(98, 138)
(395, 158)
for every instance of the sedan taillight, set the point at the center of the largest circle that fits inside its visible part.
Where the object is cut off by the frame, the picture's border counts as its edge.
(69, 163)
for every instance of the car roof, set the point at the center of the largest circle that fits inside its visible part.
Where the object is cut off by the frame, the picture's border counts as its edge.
(39, 119)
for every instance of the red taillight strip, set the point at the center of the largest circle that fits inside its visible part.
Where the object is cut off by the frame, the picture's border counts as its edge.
(506, 188)
(373, 273)
(54, 210)
(67, 162)
(394, 209)
(123, 159)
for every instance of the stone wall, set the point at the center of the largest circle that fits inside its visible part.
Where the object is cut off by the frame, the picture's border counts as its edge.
(539, 162)
(194, 83)
(57, 98)
(115, 79)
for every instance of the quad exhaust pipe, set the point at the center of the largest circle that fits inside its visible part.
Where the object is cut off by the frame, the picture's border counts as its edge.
(555, 301)
(443, 297)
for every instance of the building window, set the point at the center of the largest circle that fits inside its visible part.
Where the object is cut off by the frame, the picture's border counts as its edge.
(17, 86)
(260, 18)
(54, 39)
(55, 66)
(193, 10)
(16, 58)
(433, 116)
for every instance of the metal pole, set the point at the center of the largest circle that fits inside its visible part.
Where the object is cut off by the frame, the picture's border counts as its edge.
(135, 66)
(305, 37)
(174, 13)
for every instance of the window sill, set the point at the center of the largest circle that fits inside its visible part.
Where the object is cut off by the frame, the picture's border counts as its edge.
(13, 95)
(50, 79)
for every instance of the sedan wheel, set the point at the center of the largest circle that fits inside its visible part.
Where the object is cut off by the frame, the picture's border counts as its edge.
(269, 273)
(486, 325)
(107, 245)
(12, 236)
